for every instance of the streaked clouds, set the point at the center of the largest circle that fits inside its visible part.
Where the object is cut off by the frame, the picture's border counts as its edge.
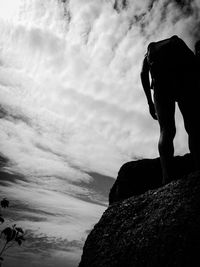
(72, 107)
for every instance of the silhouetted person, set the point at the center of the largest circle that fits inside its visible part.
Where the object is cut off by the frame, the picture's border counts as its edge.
(174, 78)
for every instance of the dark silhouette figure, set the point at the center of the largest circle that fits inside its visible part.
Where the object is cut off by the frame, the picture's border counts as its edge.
(174, 78)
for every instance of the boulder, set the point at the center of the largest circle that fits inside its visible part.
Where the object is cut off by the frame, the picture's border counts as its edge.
(158, 228)
(136, 177)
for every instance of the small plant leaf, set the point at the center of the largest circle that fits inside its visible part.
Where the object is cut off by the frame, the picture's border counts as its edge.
(1, 219)
(19, 229)
(6, 231)
(4, 203)
(19, 242)
(9, 233)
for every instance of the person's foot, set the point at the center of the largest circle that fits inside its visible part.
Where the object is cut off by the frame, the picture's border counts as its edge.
(165, 181)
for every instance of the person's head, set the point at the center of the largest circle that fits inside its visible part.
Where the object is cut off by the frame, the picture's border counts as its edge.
(197, 48)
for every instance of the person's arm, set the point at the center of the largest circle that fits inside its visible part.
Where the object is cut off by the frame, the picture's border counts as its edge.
(147, 88)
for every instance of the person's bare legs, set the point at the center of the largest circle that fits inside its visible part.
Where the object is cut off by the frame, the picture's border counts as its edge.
(165, 109)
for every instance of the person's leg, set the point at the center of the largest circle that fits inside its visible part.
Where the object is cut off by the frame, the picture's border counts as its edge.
(165, 109)
(190, 109)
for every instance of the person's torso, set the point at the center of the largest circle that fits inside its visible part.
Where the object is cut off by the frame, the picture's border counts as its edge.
(169, 59)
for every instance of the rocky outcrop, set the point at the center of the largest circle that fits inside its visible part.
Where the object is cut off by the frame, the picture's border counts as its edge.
(136, 177)
(158, 228)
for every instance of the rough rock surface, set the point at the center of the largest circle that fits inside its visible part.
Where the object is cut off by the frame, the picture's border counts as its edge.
(136, 177)
(160, 228)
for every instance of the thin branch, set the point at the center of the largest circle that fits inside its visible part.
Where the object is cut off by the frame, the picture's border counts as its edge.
(1, 252)
(9, 246)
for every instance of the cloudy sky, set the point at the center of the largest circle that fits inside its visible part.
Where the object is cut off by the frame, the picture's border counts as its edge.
(72, 111)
